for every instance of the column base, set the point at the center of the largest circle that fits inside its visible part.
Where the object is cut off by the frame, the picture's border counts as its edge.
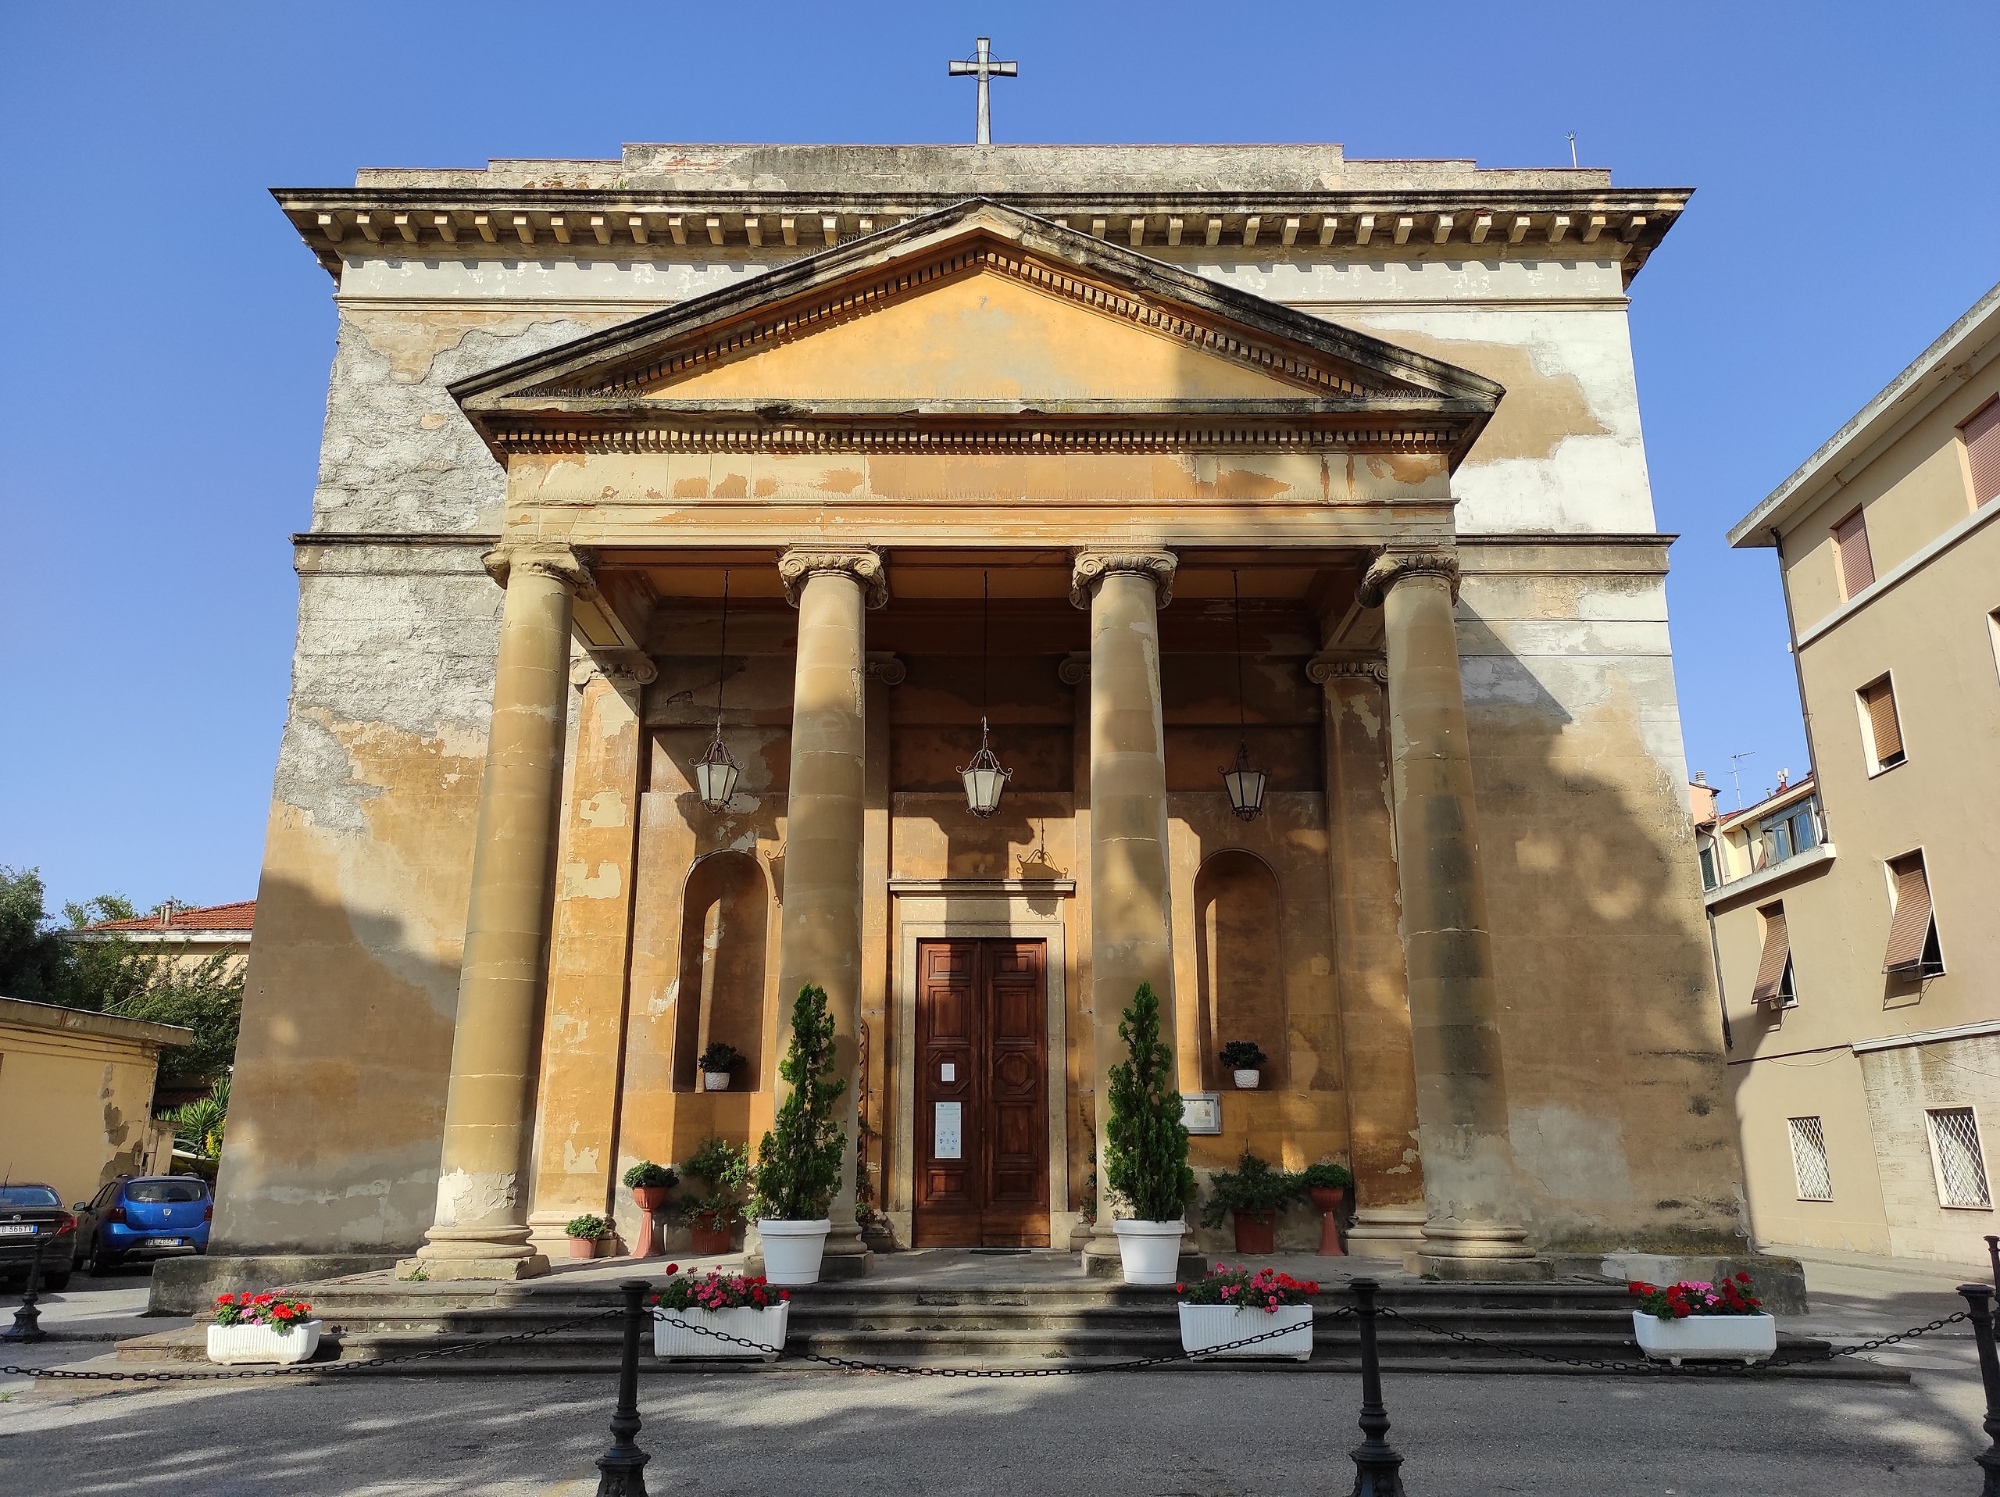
(505, 1269)
(1485, 1253)
(475, 1253)
(1386, 1232)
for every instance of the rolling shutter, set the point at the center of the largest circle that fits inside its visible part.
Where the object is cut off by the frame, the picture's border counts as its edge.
(1857, 562)
(1982, 450)
(1777, 951)
(1911, 927)
(1880, 699)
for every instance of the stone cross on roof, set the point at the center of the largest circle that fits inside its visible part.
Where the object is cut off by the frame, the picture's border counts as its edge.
(984, 67)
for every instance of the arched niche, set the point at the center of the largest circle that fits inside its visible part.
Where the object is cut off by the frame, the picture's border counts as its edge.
(721, 994)
(1239, 963)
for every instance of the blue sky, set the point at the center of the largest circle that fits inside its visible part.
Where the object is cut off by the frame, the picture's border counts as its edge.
(166, 337)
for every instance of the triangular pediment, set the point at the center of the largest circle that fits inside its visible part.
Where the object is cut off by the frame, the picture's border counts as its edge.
(978, 309)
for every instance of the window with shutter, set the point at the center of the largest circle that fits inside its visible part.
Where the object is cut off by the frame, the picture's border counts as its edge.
(1982, 451)
(1913, 944)
(1774, 966)
(1857, 563)
(1885, 730)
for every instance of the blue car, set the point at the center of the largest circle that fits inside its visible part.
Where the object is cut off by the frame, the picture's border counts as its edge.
(150, 1216)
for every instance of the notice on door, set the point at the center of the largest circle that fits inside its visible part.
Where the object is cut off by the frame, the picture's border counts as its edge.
(947, 1142)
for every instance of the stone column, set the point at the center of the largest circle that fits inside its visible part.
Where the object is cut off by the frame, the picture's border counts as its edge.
(825, 827)
(1131, 937)
(481, 1230)
(1472, 1229)
(1368, 959)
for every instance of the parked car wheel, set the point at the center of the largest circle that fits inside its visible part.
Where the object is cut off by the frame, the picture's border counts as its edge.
(55, 1283)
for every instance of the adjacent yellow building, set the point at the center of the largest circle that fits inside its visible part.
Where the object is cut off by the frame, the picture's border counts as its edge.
(1853, 912)
(76, 1096)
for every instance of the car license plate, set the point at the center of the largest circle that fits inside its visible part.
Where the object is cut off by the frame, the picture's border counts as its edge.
(17, 1229)
(168, 1242)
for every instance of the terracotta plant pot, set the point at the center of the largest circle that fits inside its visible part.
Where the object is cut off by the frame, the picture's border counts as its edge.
(709, 1242)
(1328, 1201)
(585, 1247)
(649, 1199)
(1254, 1236)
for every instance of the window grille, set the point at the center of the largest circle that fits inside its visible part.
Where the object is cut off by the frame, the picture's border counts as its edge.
(1809, 1160)
(1961, 1167)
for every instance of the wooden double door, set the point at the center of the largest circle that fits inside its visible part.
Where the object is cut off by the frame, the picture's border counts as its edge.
(982, 1123)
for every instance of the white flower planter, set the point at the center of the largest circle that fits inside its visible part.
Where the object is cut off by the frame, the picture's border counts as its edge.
(677, 1338)
(1246, 1081)
(1714, 1338)
(792, 1250)
(1205, 1326)
(231, 1344)
(1149, 1252)
(715, 1081)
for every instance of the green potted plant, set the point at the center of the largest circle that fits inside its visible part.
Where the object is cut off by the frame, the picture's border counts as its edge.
(712, 1217)
(1242, 1057)
(1252, 1194)
(1328, 1185)
(1146, 1148)
(1234, 1304)
(798, 1162)
(649, 1184)
(716, 1064)
(587, 1236)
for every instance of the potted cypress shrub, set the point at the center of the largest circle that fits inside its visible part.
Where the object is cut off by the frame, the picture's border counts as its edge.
(798, 1162)
(1253, 1194)
(1242, 1057)
(716, 1064)
(712, 1218)
(649, 1184)
(1328, 1185)
(587, 1236)
(1146, 1148)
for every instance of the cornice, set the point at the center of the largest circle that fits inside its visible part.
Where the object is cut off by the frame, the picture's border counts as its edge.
(1394, 223)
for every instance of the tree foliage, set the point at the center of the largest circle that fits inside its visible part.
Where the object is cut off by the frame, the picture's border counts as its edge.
(798, 1162)
(119, 977)
(198, 1124)
(1146, 1141)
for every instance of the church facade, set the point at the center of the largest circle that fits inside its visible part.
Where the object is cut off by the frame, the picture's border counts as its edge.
(821, 469)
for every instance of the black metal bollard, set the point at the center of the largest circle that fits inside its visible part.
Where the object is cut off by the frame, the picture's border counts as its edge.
(27, 1324)
(1979, 1309)
(624, 1464)
(1377, 1467)
(1993, 1255)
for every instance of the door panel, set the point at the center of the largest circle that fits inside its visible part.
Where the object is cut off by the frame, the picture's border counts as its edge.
(982, 1126)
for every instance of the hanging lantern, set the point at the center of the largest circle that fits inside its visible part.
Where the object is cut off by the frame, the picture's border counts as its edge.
(1245, 786)
(1244, 783)
(716, 771)
(984, 779)
(715, 774)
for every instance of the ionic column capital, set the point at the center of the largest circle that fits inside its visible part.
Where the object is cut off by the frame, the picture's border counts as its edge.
(861, 563)
(1393, 565)
(887, 667)
(1088, 568)
(1325, 669)
(569, 565)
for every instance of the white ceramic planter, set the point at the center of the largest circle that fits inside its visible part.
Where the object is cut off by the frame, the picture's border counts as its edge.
(231, 1344)
(1712, 1338)
(676, 1338)
(1246, 1081)
(1149, 1252)
(715, 1081)
(1205, 1326)
(792, 1250)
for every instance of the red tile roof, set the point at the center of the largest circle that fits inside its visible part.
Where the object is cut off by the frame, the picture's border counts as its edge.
(238, 916)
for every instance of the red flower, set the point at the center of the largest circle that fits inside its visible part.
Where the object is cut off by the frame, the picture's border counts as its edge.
(673, 1268)
(1180, 1289)
(783, 1295)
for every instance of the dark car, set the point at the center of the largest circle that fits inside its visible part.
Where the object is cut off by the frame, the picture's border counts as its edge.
(31, 1216)
(148, 1216)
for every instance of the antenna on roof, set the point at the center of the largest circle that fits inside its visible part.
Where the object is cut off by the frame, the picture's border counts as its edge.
(1736, 773)
(1572, 148)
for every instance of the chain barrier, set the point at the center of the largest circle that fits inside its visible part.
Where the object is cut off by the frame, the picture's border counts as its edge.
(911, 1369)
(299, 1368)
(1695, 1369)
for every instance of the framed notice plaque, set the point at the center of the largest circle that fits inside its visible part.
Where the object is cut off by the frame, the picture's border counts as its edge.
(1201, 1112)
(947, 1141)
